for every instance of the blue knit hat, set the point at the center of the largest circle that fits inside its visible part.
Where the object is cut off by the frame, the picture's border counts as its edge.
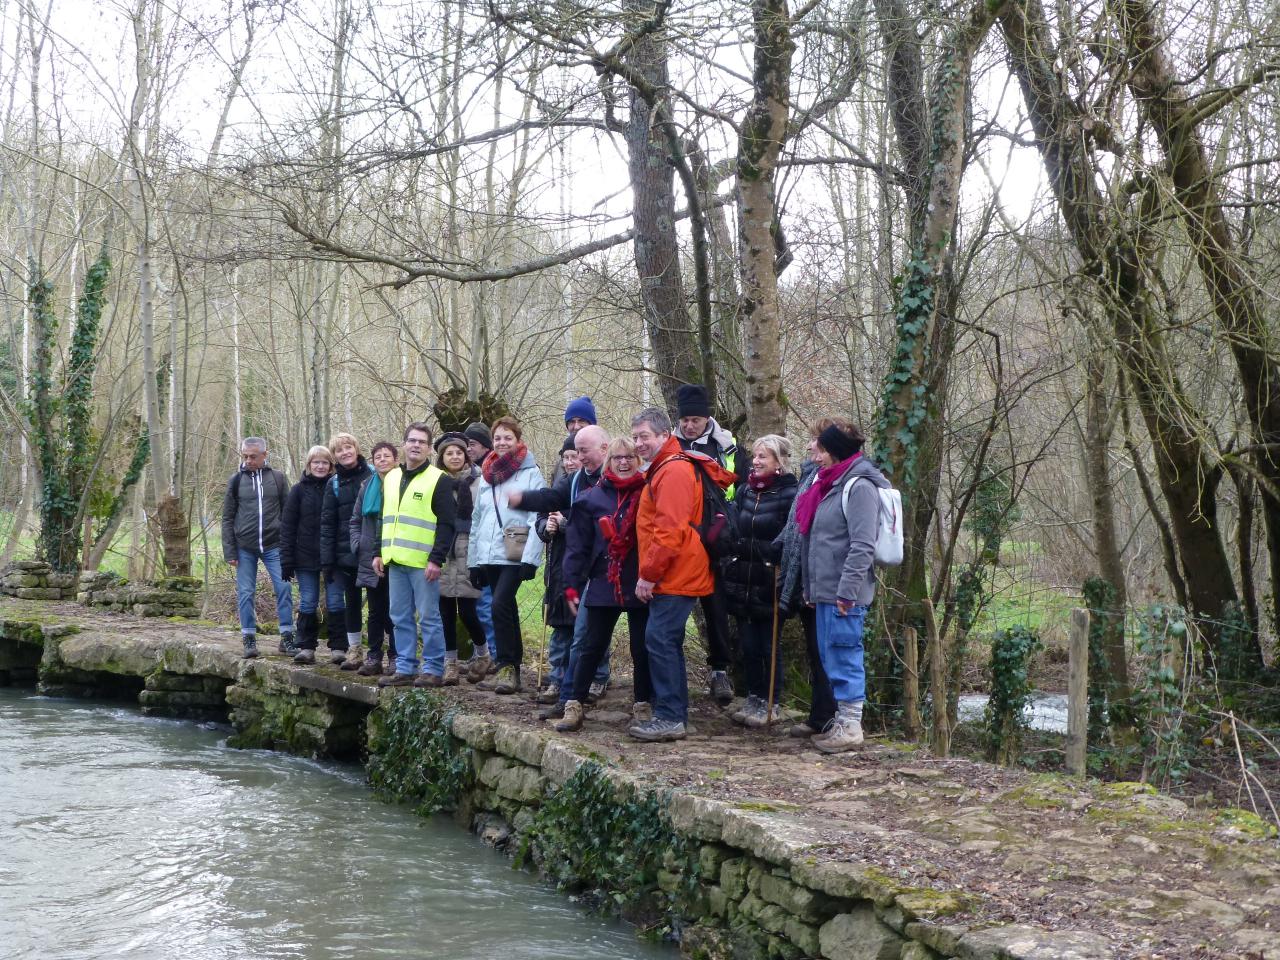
(580, 407)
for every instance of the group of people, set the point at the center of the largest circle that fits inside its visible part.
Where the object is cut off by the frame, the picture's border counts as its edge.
(443, 531)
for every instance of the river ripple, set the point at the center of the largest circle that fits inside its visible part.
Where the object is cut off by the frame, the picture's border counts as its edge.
(126, 836)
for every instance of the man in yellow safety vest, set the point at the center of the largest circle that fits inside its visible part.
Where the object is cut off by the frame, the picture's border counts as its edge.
(418, 512)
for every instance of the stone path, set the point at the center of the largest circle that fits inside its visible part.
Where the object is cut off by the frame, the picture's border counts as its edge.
(1130, 872)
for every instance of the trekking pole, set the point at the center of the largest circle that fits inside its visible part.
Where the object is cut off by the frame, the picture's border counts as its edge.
(773, 655)
(542, 652)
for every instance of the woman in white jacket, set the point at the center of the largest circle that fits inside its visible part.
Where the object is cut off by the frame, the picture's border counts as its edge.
(503, 551)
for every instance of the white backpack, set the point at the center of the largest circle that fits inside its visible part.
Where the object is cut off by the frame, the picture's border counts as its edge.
(888, 525)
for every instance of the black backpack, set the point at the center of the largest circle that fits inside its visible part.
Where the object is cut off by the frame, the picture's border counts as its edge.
(718, 529)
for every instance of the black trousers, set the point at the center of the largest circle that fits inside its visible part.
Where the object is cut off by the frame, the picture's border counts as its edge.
(719, 643)
(453, 609)
(822, 705)
(757, 645)
(380, 627)
(596, 643)
(504, 580)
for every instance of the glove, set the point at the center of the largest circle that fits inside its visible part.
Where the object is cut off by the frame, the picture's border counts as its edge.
(476, 576)
(286, 573)
(528, 571)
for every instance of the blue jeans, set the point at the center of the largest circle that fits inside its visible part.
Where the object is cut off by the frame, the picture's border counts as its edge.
(575, 648)
(558, 654)
(308, 590)
(247, 582)
(484, 610)
(342, 600)
(664, 639)
(415, 607)
(840, 647)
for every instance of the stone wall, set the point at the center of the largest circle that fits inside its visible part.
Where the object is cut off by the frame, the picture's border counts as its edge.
(36, 580)
(756, 885)
(169, 597)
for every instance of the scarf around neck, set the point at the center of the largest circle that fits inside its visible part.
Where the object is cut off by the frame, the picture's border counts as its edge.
(807, 502)
(624, 526)
(761, 483)
(498, 468)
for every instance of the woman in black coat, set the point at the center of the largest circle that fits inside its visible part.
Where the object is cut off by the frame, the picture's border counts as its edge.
(601, 566)
(300, 546)
(750, 577)
(337, 562)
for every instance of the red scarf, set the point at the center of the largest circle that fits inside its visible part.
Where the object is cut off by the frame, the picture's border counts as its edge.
(499, 468)
(624, 526)
(760, 482)
(807, 503)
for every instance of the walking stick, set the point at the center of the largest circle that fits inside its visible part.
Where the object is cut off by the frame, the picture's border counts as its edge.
(773, 655)
(542, 652)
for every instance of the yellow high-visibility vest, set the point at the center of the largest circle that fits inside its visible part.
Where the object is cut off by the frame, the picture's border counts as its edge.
(409, 527)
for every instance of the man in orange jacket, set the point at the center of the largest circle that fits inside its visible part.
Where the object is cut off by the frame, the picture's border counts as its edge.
(674, 568)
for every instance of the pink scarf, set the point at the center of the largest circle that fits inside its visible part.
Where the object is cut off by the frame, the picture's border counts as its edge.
(807, 504)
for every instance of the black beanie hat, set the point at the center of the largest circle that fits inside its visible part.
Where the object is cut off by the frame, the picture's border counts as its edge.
(839, 444)
(691, 401)
(480, 433)
(453, 436)
(568, 445)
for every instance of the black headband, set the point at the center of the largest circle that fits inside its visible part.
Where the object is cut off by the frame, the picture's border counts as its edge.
(839, 444)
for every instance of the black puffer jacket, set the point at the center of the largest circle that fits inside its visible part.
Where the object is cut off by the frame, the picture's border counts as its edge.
(586, 559)
(300, 528)
(557, 607)
(340, 493)
(747, 577)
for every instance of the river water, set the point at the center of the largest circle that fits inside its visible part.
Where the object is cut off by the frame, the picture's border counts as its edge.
(126, 836)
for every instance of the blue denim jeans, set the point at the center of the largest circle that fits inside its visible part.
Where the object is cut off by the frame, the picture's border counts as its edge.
(558, 654)
(484, 610)
(342, 600)
(664, 639)
(247, 582)
(308, 590)
(840, 647)
(415, 608)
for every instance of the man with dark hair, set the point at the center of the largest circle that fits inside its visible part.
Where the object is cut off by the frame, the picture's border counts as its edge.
(418, 512)
(251, 513)
(700, 433)
(674, 567)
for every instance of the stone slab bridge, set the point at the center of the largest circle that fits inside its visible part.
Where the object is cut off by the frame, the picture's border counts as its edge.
(886, 854)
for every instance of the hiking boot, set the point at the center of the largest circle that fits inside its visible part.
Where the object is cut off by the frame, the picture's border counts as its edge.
(843, 735)
(250, 647)
(762, 716)
(550, 693)
(450, 678)
(305, 656)
(800, 730)
(749, 706)
(478, 668)
(507, 681)
(553, 712)
(596, 691)
(428, 681)
(288, 644)
(354, 658)
(337, 657)
(721, 688)
(396, 680)
(389, 668)
(572, 719)
(372, 666)
(641, 711)
(657, 731)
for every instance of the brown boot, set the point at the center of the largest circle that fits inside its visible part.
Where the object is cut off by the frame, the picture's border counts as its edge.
(355, 657)
(478, 669)
(572, 718)
(450, 674)
(372, 666)
(508, 681)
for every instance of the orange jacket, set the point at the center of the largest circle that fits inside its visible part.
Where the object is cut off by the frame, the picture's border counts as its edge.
(671, 553)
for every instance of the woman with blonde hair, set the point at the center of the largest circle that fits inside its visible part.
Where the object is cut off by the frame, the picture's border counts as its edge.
(300, 547)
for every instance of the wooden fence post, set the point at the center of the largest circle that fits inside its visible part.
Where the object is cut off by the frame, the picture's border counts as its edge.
(911, 685)
(1078, 693)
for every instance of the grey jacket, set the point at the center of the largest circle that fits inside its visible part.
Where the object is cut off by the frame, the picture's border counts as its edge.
(838, 555)
(366, 537)
(251, 511)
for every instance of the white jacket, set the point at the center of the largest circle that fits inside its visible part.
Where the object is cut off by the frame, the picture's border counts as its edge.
(486, 545)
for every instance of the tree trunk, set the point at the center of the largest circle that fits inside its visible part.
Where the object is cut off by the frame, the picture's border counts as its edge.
(657, 253)
(762, 134)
